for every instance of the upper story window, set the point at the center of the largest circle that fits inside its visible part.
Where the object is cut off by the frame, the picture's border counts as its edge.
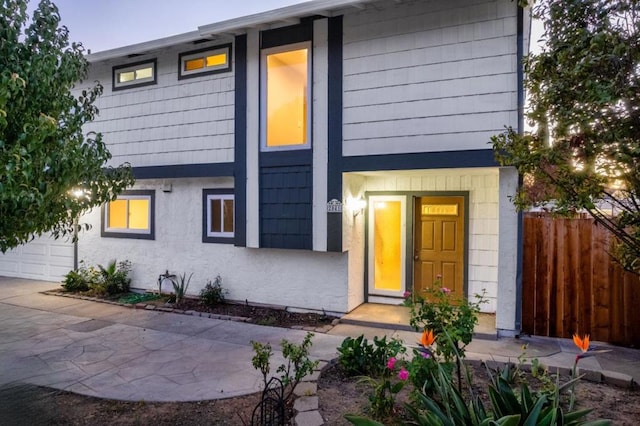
(205, 61)
(286, 97)
(131, 215)
(218, 216)
(134, 75)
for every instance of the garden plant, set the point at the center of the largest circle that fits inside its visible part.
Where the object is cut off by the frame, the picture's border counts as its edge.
(297, 364)
(439, 398)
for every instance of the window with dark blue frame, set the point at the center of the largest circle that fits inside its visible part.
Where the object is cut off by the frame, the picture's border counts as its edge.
(218, 207)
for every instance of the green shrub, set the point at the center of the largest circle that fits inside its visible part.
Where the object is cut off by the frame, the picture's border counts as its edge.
(359, 357)
(213, 294)
(451, 319)
(114, 279)
(80, 280)
(421, 369)
(75, 281)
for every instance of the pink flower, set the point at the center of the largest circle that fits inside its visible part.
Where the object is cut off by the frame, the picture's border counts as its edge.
(438, 276)
(445, 290)
(403, 374)
(391, 363)
(406, 294)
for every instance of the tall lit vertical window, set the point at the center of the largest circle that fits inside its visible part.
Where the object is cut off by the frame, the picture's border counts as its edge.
(387, 245)
(286, 97)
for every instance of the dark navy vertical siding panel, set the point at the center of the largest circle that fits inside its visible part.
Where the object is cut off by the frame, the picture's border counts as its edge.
(286, 206)
(240, 142)
(334, 169)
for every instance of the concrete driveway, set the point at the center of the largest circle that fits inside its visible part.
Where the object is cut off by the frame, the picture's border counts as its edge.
(113, 352)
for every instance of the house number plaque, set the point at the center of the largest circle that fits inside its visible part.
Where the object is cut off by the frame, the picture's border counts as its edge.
(334, 206)
(440, 210)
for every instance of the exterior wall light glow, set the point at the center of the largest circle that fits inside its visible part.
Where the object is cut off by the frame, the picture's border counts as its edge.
(356, 205)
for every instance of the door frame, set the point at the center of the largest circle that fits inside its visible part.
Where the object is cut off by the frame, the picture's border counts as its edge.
(410, 197)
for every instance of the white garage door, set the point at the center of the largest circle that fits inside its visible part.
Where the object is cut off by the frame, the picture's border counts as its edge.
(44, 258)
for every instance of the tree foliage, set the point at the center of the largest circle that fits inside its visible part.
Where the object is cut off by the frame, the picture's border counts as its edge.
(44, 155)
(584, 107)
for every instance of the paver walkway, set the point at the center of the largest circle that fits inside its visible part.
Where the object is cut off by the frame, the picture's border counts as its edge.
(114, 352)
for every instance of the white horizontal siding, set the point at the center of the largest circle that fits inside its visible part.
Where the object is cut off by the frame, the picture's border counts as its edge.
(429, 76)
(172, 122)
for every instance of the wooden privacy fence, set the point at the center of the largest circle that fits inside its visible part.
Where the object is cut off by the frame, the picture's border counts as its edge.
(570, 284)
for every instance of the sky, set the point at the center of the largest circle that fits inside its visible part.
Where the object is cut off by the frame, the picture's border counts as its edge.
(106, 24)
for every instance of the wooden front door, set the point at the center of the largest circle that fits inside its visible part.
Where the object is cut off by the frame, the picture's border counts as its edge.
(439, 243)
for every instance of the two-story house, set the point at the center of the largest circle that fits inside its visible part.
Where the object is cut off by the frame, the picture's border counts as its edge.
(320, 155)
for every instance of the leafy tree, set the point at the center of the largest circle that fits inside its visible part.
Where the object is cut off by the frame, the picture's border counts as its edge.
(584, 89)
(44, 154)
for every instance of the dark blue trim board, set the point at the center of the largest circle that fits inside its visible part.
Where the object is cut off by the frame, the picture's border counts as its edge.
(334, 100)
(424, 160)
(184, 171)
(240, 142)
(287, 35)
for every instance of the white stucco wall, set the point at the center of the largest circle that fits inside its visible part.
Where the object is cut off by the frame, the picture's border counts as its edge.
(353, 237)
(294, 278)
(483, 188)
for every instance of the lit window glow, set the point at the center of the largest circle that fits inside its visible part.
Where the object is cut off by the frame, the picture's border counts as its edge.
(133, 75)
(205, 61)
(287, 98)
(129, 214)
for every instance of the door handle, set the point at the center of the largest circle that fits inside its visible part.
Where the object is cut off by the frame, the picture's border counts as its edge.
(416, 257)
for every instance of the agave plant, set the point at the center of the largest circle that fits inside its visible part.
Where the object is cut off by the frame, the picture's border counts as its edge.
(180, 286)
(508, 408)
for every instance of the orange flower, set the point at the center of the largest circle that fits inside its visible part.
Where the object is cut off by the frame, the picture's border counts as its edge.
(427, 338)
(582, 344)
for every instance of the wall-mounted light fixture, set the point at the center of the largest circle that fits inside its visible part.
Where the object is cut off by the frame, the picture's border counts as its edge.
(77, 193)
(356, 205)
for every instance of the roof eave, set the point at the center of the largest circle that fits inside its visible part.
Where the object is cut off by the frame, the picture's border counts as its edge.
(241, 24)
(231, 27)
(146, 46)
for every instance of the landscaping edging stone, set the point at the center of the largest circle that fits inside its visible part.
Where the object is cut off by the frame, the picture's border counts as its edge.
(166, 309)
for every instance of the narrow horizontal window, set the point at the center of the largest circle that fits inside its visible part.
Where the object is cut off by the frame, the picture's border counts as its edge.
(205, 61)
(218, 216)
(129, 216)
(134, 75)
